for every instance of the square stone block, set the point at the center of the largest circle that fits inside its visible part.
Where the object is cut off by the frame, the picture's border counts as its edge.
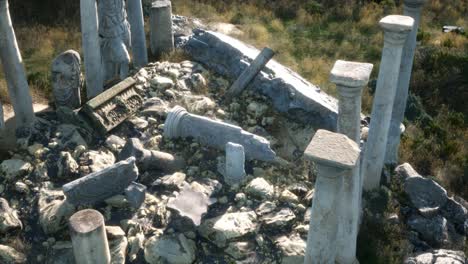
(397, 23)
(351, 74)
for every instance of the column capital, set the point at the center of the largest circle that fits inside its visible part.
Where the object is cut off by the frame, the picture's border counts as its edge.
(161, 4)
(333, 150)
(396, 28)
(171, 126)
(414, 3)
(350, 77)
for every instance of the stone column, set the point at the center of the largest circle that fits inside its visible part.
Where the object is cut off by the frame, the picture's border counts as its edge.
(15, 75)
(350, 78)
(396, 30)
(180, 123)
(137, 27)
(89, 239)
(249, 74)
(234, 173)
(413, 9)
(162, 37)
(91, 48)
(2, 118)
(335, 156)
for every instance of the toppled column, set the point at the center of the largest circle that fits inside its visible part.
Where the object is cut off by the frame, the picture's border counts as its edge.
(350, 79)
(335, 156)
(91, 48)
(249, 74)
(413, 9)
(396, 30)
(235, 164)
(66, 79)
(15, 75)
(180, 123)
(162, 37)
(100, 185)
(113, 106)
(89, 239)
(150, 159)
(137, 27)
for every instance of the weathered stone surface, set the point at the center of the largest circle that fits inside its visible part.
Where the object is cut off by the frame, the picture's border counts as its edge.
(97, 160)
(288, 91)
(190, 203)
(67, 165)
(137, 28)
(438, 256)
(9, 255)
(117, 244)
(180, 123)
(161, 37)
(333, 149)
(103, 184)
(260, 188)
(155, 107)
(425, 193)
(54, 210)
(8, 218)
(351, 74)
(135, 194)
(66, 79)
(113, 106)
(292, 249)
(240, 250)
(405, 171)
(280, 219)
(456, 214)
(172, 182)
(235, 164)
(171, 249)
(220, 230)
(14, 168)
(433, 230)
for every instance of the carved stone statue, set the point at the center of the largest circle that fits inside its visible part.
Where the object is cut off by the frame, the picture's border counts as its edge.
(66, 79)
(114, 33)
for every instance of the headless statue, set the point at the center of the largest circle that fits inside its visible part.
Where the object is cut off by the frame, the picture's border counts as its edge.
(114, 32)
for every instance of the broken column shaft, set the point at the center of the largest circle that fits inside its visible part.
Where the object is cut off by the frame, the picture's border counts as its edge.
(162, 37)
(89, 239)
(100, 185)
(350, 79)
(137, 27)
(234, 172)
(180, 123)
(15, 75)
(249, 74)
(396, 30)
(335, 156)
(413, 9)
(150, 159)
(91, 48)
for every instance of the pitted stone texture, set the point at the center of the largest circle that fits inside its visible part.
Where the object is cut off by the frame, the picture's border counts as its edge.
(352, 74)
(397, 23)
(220, 230)
(333, 149)
(288, 91)
(438, 256)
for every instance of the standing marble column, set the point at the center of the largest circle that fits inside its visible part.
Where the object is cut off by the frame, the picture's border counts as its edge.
(15, 75)
(2, 118)
(137, 27)
(413, 9)
(162, 37)
(91, 48)
(335, 156)
(396, 30)
(350, 78)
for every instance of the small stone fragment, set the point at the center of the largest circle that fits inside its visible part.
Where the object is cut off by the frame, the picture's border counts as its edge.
(170, 249)
(260, 188)
(9, 255)
(14, 168)
(8, 218)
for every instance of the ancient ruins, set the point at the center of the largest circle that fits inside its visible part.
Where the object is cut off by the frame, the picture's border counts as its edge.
(229, 157)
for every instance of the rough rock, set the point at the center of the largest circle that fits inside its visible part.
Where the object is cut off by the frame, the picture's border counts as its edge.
(14, 168)
(9, 255)
(425, 194)
(8, 218)
(190, 203)
(198, 104)
(98, 160)
(292, 249)
(161, 83)
(172, 182)
(240, 250)
(54, 210)
(405, 171)
(455, 213)
(288, 91)
(69, 136)
(220, 230)
(117, 244)
(436, 231)
(260, 188)
(171, 249)
(280, 219)
(67, 166)
(438, 256)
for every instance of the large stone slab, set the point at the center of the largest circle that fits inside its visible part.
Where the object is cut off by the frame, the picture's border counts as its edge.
(113, 106)
(288, 91)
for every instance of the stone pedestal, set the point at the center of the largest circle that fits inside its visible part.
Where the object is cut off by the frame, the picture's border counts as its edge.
(15, 75)
(350, 78)
(91, 48)
(137, 28)
(413, 9)
(66, 79)
(235, 164)
(396, 30)
(180, 123)
(89, 239)
(335, 156)
(249, 74)
(162, 37)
